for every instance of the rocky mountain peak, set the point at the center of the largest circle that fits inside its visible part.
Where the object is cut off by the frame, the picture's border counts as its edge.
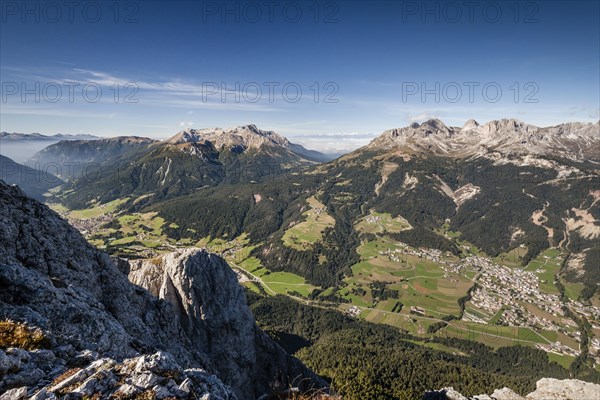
(187, 135)
(470, 125)
(251, 128)
(435, 125)
(503, 137)
(246, 136)
(509, 127)
(212, 308)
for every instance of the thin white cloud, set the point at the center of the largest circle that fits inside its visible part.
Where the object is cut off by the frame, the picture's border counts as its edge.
(171, 93)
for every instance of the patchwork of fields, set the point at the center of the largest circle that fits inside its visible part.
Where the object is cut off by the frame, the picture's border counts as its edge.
(421, 291)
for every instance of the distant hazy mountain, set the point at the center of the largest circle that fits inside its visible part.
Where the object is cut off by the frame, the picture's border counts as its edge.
(73, 157)
(21, 146)
(14, 136)
(34, 182)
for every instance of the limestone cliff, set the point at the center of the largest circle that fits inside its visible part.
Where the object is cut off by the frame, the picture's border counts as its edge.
(546, 389)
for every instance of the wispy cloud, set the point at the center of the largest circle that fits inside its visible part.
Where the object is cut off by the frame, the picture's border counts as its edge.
(175, 93)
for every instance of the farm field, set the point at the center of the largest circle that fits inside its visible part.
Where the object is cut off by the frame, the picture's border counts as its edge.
(381, 223)
(573, 290)
(408, 323)
(418, 281)
(132, 232)
(513, 258)
(237, 254)
(492, 335)
(98, 210)
(306, 233)
(546, 266)
(561, 359)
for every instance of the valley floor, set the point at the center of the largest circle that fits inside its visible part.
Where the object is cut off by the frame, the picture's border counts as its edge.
(425, 292)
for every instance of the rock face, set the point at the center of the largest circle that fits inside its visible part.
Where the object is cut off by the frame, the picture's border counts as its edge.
(51, 278)
(241, 138)
(577, 141)
(212, 308)
(546, 389)
(567, 389)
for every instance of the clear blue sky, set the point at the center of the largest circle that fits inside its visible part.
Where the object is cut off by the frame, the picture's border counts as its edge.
(373, 57)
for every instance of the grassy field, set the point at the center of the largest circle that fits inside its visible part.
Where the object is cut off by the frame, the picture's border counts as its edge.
(573, 290)
(98, 210)
(561, 359)
(494, 320)
(380, 223)
(145, 229)
(492, 335)
(419, 282)
(546, 266)
(286, 283)
(306, 233)
(237, 253)
(413, 325)
(130, 232)
(446, 232)
(513, 258)
(276, 282)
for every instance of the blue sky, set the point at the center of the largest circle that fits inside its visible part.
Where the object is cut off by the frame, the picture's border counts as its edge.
(362, 67)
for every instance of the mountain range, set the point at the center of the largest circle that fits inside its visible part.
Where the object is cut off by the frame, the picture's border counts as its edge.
(428, 173)
(430, 228)
(188, 161)
(15, 136)
(575, 141)
(79, 324)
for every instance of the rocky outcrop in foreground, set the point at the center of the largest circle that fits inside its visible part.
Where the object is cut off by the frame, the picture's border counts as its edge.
(149, 376)
(88, 311)
(211, 305)
(546, 389)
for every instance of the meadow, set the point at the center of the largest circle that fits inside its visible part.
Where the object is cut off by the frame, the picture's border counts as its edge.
(304, 234)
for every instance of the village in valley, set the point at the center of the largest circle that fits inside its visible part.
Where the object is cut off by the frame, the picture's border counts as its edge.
(515, 297)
